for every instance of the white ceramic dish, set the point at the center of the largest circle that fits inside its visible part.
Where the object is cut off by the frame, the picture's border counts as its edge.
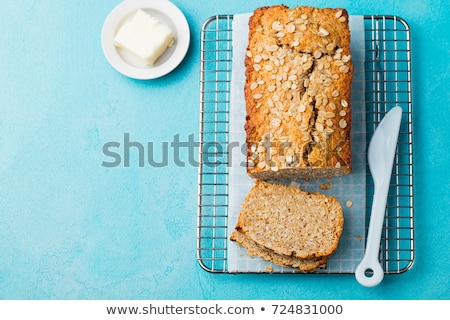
(124, 62)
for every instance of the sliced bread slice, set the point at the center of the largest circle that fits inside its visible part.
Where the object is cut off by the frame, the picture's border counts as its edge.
(290, 221)
(307, 265)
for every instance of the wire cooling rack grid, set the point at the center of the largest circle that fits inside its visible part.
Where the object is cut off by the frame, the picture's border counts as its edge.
(387, 83)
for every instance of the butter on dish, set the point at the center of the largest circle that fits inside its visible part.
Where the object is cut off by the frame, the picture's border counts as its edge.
(145, 37)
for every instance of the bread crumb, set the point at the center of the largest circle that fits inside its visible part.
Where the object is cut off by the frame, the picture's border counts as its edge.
(349, 203)
(327, 186)
(359, 237)
(294, 184)
(269, 269)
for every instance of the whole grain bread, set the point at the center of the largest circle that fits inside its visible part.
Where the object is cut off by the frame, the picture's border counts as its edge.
(307, 265)
(297, 92)
(289, 221)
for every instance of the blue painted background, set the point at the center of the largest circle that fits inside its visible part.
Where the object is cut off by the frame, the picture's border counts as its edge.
(72, 229)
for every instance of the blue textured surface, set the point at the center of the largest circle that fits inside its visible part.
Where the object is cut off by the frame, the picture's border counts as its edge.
(72, 229)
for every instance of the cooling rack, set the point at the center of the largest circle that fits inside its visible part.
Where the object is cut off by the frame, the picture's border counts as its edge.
(387, 75)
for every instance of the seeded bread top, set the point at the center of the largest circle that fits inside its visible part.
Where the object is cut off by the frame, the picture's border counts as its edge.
(291, 221)
(297, 91)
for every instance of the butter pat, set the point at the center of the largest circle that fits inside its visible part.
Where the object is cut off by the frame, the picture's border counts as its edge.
(144, 36)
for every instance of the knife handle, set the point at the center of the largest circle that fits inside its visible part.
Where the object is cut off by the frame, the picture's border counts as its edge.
(369, 272)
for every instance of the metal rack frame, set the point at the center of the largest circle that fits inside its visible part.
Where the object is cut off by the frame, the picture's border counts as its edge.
(388, 83)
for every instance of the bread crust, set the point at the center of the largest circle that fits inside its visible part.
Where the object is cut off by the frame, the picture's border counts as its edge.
(298, 73)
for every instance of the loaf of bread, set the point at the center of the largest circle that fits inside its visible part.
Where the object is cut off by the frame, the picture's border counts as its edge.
(297, 92)
(289, 226)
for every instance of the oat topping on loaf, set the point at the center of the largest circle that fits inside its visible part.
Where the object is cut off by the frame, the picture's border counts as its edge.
(283, 224)
(297, 92)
